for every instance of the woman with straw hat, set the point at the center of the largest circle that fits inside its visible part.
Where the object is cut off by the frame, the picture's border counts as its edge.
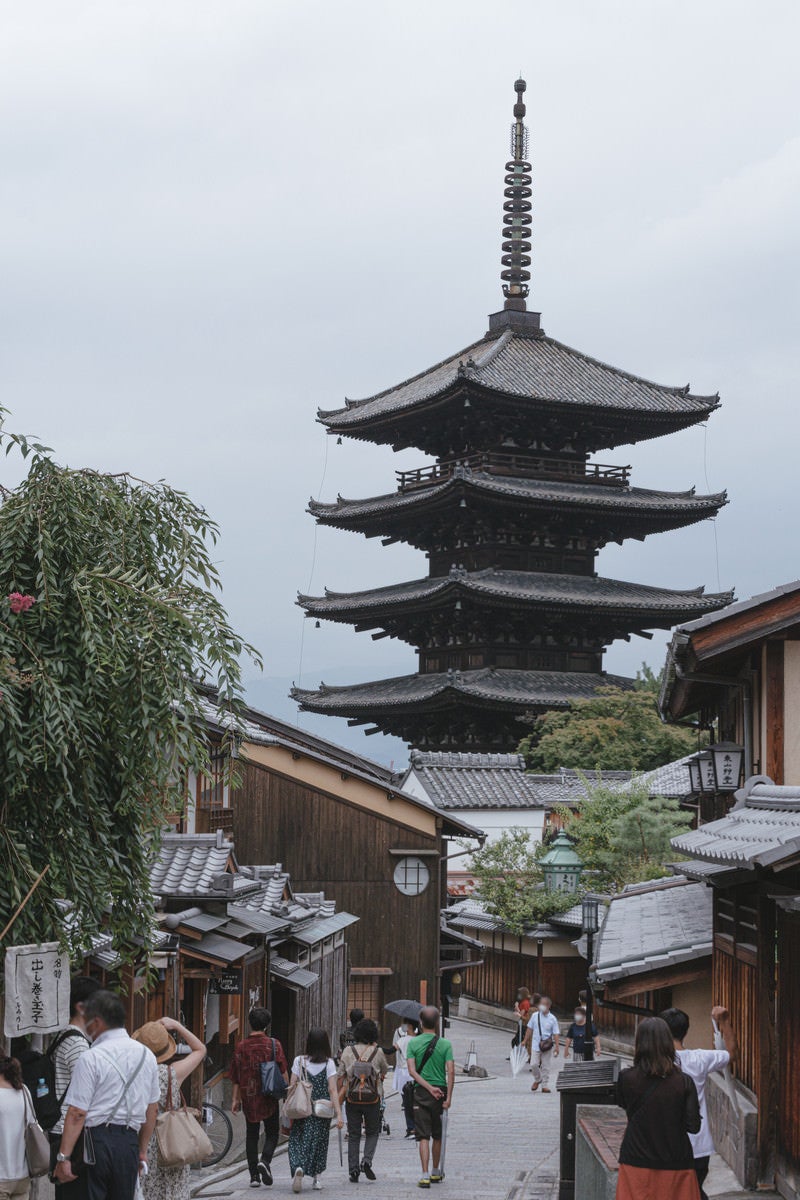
(168, 1183)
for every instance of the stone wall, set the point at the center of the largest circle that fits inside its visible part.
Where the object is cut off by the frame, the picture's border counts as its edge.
(598, 1134)
(734, 1133)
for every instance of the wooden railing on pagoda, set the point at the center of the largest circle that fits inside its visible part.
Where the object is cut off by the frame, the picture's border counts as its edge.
(518, 465)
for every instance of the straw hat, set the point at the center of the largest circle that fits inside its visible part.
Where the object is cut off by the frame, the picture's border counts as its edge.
(155, 1037)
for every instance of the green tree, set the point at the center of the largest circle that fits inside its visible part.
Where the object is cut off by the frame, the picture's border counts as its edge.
(616, 730)
(511, 883)
(109, 617)
(623, 836)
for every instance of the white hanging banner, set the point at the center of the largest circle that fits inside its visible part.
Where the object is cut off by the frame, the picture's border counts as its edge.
(37, 989)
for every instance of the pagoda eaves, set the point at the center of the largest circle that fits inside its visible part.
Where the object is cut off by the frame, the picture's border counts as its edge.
(520, 385)
(481, 709)
(432, 513)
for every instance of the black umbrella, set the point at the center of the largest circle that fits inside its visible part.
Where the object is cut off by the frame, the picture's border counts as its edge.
(409, 1010)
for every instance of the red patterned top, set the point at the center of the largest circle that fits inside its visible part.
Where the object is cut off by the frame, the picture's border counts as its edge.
(246, 1071)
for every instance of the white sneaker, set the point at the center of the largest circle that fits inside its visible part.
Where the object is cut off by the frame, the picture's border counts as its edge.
(297, 1181)
(316, 1185)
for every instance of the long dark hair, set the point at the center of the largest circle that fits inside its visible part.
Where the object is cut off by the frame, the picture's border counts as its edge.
(654, 1052)
(318, 1045)
(11, 1071)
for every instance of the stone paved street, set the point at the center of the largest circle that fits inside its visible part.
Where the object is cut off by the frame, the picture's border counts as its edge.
(502, 1142)
(502, 1139)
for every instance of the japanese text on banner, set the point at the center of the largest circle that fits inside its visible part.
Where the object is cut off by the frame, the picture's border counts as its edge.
(37, 989)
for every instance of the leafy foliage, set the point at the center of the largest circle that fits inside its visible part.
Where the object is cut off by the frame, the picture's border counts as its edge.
(511, 883)
(624, 836)
(615, 730)
(99, 711)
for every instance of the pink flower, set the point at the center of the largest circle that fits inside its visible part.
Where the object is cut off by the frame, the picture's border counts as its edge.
(19, 603)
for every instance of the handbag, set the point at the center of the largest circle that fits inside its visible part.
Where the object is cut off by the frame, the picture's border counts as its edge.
(272, 1081)
(297, 1105)
(547, 1043)
(323, 1109)
(37, 1143)
(180, 1137)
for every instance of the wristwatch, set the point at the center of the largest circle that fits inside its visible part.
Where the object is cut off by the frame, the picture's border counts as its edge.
(62, 1157)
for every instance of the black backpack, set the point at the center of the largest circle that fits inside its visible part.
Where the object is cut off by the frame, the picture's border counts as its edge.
(39, 1077)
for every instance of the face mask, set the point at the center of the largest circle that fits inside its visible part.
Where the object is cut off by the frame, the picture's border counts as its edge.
(580, 1018)
(543, 1008)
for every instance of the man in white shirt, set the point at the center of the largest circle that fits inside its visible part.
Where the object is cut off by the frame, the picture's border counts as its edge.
(114, 1094)
(698, 1065)
(542, 1041)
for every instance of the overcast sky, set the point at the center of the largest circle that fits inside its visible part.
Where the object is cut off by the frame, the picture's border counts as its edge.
(217, 216)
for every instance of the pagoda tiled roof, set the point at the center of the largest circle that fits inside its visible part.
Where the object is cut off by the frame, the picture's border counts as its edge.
(539, 491)
(497, 688)
(540, 589)
(525, 367)
(535, 492)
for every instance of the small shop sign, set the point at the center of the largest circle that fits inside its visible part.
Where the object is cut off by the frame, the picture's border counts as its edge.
(226, 983)
(37, 982)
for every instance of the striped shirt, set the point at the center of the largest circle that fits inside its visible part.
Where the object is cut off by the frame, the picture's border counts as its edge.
(65, 1056)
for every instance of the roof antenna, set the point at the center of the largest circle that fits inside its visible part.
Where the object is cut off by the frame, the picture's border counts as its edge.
(517, 212)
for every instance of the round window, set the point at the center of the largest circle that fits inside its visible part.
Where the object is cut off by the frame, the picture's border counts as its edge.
(411, 876)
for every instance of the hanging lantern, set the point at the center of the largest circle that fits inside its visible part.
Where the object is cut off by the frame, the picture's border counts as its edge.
(708, 783)
(727, 759)
(695, 778)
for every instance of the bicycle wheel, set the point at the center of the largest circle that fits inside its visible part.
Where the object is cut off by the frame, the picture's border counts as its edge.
(218, 1129)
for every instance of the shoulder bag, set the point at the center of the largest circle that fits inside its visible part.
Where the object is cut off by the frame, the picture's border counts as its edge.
(547, 1043)
(323, 1108)
(37, 1143)
(408, 1088)
(272, 1081)
(297, 1105)
(180, 1137)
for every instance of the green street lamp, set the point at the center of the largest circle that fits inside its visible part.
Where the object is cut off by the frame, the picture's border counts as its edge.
(561, 866)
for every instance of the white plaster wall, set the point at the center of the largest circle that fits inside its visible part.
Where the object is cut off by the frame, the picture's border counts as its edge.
(495, 822)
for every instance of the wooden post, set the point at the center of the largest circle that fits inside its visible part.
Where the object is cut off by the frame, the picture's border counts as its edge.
(767, 1047)
(775, 718)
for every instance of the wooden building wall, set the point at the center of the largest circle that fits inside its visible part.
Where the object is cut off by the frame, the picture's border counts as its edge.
(502, 972)
(735, 972)
(329, 844)
(788, 1131)
(296, 1010)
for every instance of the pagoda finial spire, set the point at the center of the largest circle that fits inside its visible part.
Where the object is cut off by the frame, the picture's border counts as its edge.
(517, 212)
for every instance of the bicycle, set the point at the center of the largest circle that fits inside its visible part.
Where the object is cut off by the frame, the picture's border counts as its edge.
(219, 1130)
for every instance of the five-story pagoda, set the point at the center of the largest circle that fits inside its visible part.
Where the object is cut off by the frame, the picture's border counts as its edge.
(512, 617)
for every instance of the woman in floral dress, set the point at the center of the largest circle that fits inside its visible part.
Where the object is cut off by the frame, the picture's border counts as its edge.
(308, 1140)
(168, 1183)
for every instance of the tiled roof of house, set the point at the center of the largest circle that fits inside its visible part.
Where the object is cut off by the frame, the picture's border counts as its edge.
(464, 781)
(547, 590)
(196, 865)
(524, 367)
(652, 926)
(670, 780)
(471, 914)
(761, 830)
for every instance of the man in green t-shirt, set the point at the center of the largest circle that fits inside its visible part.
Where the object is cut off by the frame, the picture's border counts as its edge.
(434, 1074)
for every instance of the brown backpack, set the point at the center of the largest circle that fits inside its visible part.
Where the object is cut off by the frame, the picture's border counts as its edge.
(363, 1081)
